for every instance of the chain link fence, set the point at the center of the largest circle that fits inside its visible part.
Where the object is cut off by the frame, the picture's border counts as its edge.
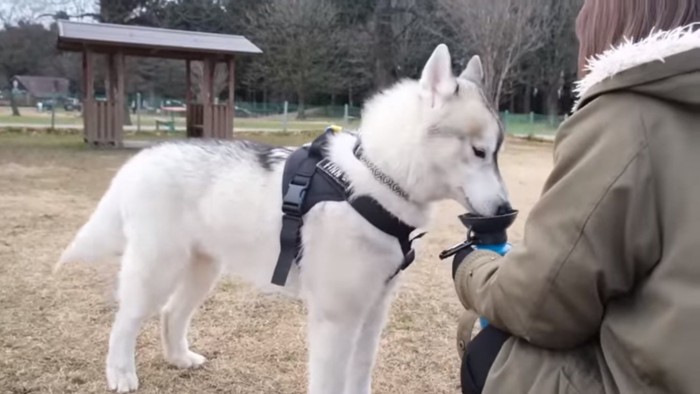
(167, 115)
(532, 124)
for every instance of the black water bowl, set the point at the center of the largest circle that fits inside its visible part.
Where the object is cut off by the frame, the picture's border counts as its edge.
(488, 224)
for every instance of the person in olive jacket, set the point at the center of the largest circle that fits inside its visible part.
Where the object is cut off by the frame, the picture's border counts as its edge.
(603, 294)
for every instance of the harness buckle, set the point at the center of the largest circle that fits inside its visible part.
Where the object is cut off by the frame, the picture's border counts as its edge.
(294, 198)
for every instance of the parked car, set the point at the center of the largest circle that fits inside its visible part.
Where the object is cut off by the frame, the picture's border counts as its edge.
(242, 112)
(172, 103)
(45, 105)
(72, 104)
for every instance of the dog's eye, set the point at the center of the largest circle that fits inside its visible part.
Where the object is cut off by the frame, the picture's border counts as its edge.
(480, 153)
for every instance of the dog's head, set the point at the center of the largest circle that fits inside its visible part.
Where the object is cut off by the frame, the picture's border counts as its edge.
(439, 137)
(461, 135)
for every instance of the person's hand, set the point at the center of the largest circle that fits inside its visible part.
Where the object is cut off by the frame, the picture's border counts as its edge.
(460, 257)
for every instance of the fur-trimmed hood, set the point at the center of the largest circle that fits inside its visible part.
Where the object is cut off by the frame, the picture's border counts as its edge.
(637, 66)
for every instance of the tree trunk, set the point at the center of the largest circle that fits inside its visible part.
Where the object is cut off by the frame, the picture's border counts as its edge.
(301, 110)
(13, 104)
(350, 96)
(151, 96)
(552, 102)
(527, 99)
(127, 113)
(383, 44)
(265, 99)
(497, 98)
(552, 105)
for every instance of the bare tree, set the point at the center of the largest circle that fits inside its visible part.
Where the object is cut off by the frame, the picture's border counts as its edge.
(219, 83)
(300, 43)
(502, 32)
(391, 34)
(14, 11)
(550, 67)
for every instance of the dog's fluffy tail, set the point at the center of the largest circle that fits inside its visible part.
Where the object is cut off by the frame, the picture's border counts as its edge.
(101, 237)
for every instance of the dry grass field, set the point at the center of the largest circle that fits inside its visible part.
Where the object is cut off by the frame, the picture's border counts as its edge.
(54, 328)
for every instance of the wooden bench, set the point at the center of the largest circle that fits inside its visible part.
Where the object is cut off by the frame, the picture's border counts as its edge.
(170, 124)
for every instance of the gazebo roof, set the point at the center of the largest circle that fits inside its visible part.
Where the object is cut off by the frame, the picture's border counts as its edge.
(149, 41)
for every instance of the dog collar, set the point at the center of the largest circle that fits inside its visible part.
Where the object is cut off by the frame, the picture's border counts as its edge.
(378, 174)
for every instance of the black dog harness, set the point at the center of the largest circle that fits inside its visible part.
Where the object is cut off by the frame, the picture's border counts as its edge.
(310, 178)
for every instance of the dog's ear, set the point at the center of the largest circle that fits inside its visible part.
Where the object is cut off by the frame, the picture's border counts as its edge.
(474, 71)
(437, 79)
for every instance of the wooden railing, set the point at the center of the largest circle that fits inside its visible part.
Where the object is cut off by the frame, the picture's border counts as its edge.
(195, 120)
(220, 126)
(214, 123)
(100, 123)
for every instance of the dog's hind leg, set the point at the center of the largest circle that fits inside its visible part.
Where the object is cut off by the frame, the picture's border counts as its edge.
(146, 280)
(196, 283)
(365, 352)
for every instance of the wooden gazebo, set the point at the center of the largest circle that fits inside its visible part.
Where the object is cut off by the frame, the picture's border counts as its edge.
(103, 121)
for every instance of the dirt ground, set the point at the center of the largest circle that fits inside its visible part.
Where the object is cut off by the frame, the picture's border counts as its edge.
(54, 328)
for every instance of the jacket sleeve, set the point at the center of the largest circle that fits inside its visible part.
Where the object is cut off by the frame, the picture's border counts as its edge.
(592, 235)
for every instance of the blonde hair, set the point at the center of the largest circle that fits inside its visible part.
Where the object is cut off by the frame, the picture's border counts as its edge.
(602, 24)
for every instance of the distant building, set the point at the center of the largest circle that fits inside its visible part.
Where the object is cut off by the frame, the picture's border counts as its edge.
(32, 89)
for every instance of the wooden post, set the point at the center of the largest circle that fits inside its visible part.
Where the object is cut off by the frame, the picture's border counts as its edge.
(138, 112)
(107, 134)
(89, 115)
(188, 82)
(120, 100)
(189, 129)
(206, 91)
(214, 131)
(284, 117)
(230, 116)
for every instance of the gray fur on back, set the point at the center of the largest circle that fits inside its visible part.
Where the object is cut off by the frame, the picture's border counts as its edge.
(267, 156)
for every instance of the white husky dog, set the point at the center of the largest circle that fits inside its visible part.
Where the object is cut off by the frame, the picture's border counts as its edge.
(182, 214)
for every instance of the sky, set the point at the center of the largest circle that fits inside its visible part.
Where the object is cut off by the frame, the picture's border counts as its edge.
(12, 11)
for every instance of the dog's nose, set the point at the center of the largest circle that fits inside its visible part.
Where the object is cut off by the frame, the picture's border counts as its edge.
(504, 208)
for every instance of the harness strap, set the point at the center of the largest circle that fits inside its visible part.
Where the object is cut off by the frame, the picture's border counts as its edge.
(295, 204)
(385, 221)
(303, 169)
(408, 257)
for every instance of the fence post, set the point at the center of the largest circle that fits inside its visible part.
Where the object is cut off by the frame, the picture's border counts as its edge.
(138, 112)
(346, 116)
(53, 113)
(284, 118)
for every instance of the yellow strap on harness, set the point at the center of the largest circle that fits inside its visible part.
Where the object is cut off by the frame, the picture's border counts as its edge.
(336, 129)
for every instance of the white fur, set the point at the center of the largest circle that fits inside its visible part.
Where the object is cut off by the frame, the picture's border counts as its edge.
(629, 54)
(182, 214)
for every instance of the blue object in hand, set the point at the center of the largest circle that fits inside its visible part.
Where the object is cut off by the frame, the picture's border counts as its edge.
(483, 233)
(501, 249)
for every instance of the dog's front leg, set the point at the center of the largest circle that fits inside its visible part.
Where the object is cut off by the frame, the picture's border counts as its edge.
(332, 338)
(362, 362)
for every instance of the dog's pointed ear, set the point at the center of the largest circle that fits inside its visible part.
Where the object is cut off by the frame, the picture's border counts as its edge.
(437, 78)
(474, 71)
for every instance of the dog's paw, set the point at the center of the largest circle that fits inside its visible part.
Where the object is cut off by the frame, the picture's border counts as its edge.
(122, 381)
(187, 360)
